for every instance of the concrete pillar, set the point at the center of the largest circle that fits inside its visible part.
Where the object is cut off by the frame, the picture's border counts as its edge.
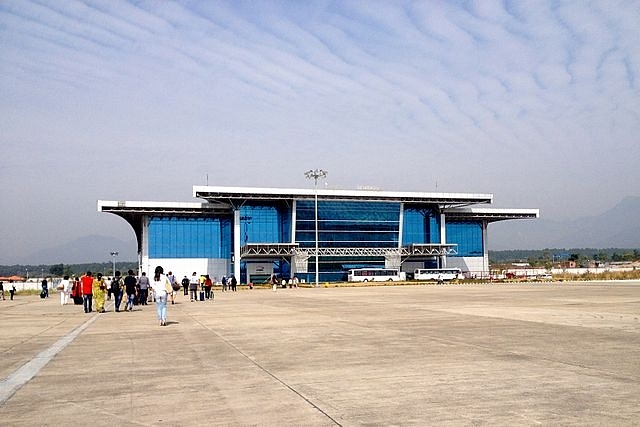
(400, 227)
(485, 250)
(443, 239)
(236, 243)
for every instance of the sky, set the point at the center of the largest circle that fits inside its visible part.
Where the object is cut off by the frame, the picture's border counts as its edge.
(535, 102)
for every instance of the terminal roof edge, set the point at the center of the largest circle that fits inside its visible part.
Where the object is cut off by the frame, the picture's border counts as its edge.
(220, 194)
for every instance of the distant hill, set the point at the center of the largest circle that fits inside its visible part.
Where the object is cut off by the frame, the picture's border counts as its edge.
(87, 249)
(617, 228)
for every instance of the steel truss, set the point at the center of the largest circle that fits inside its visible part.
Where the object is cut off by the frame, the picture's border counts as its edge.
(293, 249)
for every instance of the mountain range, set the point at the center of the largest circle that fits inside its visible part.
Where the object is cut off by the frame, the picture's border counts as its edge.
(617, 228)
(87, 249)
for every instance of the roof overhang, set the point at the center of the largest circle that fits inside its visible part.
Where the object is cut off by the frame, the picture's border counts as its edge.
(123, 208)
(490, 214)
(134, 211)
(239, 195)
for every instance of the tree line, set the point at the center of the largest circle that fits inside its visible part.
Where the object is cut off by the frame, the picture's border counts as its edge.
(548, 257)
(535, 257)
(59, 270)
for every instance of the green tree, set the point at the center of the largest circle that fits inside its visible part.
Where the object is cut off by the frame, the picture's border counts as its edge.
(601, 256)
(56, 270)
(68, 271)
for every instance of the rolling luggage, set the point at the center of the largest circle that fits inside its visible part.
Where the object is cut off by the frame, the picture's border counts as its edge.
(201, 295)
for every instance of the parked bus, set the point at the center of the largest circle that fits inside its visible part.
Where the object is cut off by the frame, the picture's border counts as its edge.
(437, 274)
(375, 274)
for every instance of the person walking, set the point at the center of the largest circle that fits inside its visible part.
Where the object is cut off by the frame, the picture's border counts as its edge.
(76, 291)
(86, 289)
(116, 291)
(234, 283)
(175, 287)
(99, 292)
(130, 289)
(63, 286)
(161, 288)
(208, 284)
(193, 287)
(2, 289)
(185, 285)
(143, 287)
(45, 288)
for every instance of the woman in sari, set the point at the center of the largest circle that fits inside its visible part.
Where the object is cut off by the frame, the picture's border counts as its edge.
(99, 292)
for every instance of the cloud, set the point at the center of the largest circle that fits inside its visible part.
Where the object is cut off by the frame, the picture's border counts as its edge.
(486, 96)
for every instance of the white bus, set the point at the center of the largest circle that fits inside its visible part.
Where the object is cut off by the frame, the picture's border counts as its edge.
(375, 275)
(437, 274)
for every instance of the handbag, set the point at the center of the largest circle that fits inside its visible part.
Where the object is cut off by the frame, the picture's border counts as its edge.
(167, 286)
(60, 287)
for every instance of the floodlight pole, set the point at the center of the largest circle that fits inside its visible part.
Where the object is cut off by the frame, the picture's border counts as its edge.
(114, 255)
(315, 174)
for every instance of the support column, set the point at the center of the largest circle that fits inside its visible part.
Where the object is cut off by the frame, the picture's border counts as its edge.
(236, 243)
(443, 239)
(401, 224)
(485, 251)
(293, 221)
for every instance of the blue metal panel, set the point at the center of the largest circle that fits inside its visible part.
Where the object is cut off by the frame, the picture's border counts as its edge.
(421, 225)
(467, 235)
(172, 237)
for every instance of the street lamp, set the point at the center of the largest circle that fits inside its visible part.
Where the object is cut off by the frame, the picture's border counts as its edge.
(315, 174)
(114, 255)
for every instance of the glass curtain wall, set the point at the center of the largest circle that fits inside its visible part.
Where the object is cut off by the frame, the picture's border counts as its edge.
(467, 235)
(421, 225)
(178, 237)
(265, 223)
(346, 224)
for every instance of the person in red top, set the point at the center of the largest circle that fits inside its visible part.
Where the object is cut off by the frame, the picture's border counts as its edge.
(86, 282)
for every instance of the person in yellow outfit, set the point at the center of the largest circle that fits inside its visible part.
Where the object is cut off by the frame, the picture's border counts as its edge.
(99, 290)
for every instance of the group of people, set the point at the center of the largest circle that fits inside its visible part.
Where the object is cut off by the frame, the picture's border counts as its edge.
(275, 282)
(92, 291)
(230, 284)
(12, 291)
(95, 290)
(131, 287)
(204, 285)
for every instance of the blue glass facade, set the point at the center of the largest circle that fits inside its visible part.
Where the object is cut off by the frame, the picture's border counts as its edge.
(265, 223)
(467, 235)
(344, 224)
(177, 237)
(420, 225)
(341, 224)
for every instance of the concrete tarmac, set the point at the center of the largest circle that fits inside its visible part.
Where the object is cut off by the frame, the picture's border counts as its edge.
(455, 354)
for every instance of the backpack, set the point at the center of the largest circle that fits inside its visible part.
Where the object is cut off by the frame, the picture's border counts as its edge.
(115, 286)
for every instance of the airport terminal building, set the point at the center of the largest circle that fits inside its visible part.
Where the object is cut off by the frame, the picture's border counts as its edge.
(254, 232)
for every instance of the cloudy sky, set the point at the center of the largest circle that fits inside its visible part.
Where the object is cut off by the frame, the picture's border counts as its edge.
(535, 102)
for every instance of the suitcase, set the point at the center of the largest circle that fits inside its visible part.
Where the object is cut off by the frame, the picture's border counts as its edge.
(201, 295)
